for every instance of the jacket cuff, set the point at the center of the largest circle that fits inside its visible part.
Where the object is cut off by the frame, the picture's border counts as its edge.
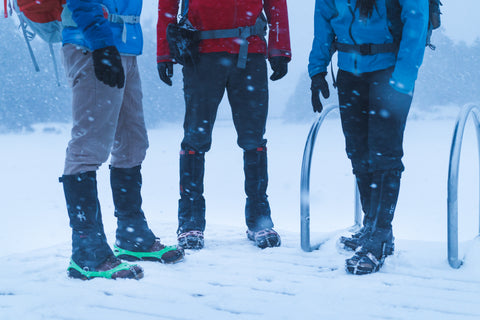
(279, 53)
(165, 58)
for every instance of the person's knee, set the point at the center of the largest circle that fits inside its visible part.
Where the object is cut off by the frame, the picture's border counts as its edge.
(88, 158)
(251, 142)
(384, 164)
(196, 146)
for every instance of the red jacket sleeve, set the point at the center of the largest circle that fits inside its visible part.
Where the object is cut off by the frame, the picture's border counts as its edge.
(167, 13)
(279, 33)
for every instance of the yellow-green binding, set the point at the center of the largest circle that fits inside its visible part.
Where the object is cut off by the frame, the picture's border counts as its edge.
(142, 254)
(99, 274)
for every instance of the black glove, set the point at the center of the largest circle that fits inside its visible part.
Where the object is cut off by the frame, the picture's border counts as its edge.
(165, 71)
(279, 66)
(108, 66)
(319, 84)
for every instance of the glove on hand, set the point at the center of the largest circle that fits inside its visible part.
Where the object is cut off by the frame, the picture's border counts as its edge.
(108, 66)
(165, 71)
(319, 84)
(279, 66)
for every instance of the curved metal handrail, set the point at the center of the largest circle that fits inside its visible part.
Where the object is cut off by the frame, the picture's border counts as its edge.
(453, 169)
(305, 185)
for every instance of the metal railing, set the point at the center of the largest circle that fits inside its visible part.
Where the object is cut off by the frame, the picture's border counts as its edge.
(453, 170)
(305, 186)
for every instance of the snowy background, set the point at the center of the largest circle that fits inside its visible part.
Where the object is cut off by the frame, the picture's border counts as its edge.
(230, 278)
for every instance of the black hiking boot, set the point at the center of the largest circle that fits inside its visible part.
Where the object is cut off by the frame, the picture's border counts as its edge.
(132, 232)
(157, 252)
(89, 243)
(191, 205)
(135, 241)
(191, 240)
(364, 184)
(112, 268)
(356, 240)
(380, 207)
(369, 258)
(266, 238)
(257, 207)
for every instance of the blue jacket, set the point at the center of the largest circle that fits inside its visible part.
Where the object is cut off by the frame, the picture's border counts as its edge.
(340, 19)
(86, 25)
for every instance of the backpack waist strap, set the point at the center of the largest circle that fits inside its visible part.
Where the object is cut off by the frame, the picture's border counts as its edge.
(366, 49)
(258, 29)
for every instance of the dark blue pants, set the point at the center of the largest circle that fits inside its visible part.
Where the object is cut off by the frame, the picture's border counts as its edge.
(373, 118)
(247, 90)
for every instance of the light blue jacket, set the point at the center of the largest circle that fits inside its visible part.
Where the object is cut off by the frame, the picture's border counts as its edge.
(86, 25)
(340, 19)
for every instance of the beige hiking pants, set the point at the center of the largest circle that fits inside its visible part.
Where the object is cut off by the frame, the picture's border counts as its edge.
(106, 120)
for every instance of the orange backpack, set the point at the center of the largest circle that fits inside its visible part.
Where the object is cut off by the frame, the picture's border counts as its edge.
(39, 17)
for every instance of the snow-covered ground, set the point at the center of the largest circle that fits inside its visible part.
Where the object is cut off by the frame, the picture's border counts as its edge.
(230, 278)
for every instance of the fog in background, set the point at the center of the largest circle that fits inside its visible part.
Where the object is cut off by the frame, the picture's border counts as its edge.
(449, 77)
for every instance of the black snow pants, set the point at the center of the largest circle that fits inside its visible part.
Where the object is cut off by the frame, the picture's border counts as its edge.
(373, 116)
(247, 89)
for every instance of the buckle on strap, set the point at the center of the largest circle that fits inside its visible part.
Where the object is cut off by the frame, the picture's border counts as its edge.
(365, 49)
(244, 32)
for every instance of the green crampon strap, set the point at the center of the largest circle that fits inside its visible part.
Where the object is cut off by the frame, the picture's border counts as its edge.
(99, 274)
(142, 254)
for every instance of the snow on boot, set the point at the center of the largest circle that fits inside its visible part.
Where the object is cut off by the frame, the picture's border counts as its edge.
(112, 268)
(266, 238)
(369, 258)
(191, 240)
(356, 240)
(158, 252)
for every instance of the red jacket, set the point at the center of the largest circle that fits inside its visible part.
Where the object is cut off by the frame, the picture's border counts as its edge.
(228, 14)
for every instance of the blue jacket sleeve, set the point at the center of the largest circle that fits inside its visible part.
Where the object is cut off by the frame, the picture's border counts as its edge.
(412, 46)
(321, 53)
(88, 15)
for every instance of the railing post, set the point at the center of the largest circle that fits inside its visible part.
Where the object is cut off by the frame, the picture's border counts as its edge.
(305, 185)
(453, 169)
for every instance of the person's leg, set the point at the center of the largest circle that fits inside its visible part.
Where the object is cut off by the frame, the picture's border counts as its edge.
(248, 96)
(134, 239)
(204, 86)
(388, 115)
(128, 153)
(95, 112)
(353, 95)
